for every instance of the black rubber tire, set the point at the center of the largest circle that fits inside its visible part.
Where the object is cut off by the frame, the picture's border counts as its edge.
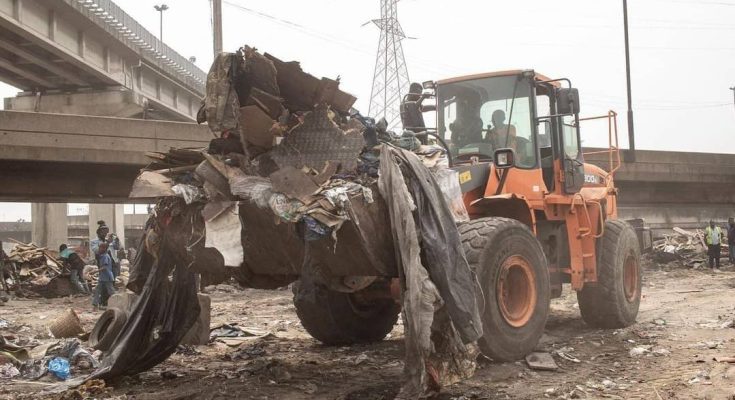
(107, 328)
(605, 304)
(488, 243)
(333, 318)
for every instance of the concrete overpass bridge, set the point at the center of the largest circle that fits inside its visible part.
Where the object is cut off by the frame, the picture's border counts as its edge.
(90, 57)
(75, 158)
(675, 188)
(72, 158)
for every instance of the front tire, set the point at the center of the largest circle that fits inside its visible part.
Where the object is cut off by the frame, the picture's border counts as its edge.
(513, 273)
(614, 300)
(336, 318)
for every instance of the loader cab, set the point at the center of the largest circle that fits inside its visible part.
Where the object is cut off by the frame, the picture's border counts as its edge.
(518, 110)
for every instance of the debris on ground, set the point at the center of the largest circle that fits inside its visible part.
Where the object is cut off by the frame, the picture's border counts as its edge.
(541, 361)
(639, 351)
(66, 325)
(687, 247)
(606, 371)
(59, 366)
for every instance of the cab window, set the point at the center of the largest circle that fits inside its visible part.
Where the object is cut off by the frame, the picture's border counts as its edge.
(480, 116)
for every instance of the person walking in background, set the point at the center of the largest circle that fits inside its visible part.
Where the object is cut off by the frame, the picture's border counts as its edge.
(731, 240)
(713, 239)
(76, 268)
(106, 280)
(104, 236)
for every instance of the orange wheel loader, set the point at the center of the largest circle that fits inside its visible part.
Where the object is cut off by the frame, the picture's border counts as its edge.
(539, 215)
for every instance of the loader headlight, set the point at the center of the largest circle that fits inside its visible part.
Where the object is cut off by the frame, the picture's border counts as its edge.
(504, 158)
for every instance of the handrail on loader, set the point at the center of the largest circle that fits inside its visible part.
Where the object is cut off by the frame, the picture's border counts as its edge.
(613, 150)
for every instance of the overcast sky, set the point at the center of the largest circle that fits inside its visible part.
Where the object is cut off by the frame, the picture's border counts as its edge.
(683, 52)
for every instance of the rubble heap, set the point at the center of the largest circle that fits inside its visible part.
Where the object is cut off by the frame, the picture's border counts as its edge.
(686, 246)
(289, 189)
(35, 266)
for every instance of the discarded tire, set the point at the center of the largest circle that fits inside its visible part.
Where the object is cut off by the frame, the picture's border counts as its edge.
(107, 328)
(512, 270)
(614, 300)
(335, 318)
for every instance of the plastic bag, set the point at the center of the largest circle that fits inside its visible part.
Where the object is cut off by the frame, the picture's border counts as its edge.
(189, 193)
(448, 181)
(59, 366)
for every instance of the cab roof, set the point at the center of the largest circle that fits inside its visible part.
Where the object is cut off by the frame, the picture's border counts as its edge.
(512, 72)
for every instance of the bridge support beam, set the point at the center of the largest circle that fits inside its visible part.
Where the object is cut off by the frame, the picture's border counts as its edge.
(108, 103)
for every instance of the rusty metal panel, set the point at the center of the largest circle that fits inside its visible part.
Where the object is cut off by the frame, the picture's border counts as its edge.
(318, 140)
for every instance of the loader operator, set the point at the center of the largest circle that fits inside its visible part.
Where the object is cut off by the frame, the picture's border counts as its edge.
(467, 128)
(501, 135)
(713, 239)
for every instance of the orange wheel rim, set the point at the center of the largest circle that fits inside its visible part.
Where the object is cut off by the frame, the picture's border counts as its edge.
(630, 278)
(517, 291)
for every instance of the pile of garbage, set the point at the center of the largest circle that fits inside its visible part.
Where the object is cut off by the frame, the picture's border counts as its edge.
(684, 246)
(34, 268)
(54, 361)
(290, 166)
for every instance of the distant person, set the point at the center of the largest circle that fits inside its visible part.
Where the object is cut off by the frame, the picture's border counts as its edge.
(104, 236)
(502, 135)
(731, 240)
(713, 239)
(94, 244)
(105, 281)
(76, 268)
(5, 265)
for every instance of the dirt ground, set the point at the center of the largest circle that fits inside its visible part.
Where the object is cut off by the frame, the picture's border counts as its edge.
(685, 322)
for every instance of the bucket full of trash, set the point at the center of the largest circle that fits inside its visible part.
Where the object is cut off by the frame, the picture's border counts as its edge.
(66, 325)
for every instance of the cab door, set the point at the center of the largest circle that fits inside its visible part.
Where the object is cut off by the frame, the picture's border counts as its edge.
(572, 160)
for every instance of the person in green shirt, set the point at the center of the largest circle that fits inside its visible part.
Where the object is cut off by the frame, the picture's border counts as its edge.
(76, 268)
(713, 238)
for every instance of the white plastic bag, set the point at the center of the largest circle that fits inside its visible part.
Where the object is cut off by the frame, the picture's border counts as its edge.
(448, 181)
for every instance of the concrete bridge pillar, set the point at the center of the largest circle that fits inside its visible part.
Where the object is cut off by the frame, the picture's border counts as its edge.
(49, 225)
(114, 217)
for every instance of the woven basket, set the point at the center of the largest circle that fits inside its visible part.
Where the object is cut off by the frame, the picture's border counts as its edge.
(66, 325)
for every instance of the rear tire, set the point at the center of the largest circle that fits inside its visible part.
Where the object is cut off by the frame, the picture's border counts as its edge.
(335, 318)
(614, 300)
(513, 273)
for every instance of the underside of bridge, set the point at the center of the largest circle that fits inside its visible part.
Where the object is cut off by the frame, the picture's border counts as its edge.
(91, 58)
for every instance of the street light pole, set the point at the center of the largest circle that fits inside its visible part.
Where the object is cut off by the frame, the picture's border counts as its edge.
(217, 26)
(733, 93)
(161, 9)
(631, 132)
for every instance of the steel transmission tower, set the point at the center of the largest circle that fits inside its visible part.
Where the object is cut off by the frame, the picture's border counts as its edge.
(390, 79)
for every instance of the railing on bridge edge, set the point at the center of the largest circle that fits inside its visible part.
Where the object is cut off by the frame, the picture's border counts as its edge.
(110, 17)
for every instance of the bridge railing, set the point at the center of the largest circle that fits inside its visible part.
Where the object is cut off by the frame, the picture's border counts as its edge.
(110, 17)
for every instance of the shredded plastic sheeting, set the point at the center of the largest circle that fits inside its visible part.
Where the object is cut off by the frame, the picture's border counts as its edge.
(167, 307)
(224, 233)
(440, 311)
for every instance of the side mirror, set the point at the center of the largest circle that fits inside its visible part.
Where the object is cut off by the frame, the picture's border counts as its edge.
(504, 158)
(567, 101)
